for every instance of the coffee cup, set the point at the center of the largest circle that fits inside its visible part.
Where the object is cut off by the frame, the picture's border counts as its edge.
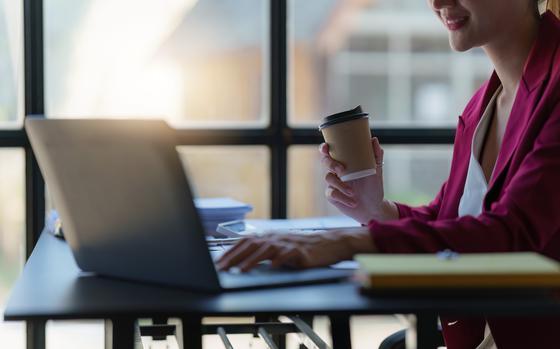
(349, 139)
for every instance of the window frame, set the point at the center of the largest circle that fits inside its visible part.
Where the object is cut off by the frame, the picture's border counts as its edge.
(278, 136)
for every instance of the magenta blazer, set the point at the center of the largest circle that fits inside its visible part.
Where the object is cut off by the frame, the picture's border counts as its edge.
(521, 210)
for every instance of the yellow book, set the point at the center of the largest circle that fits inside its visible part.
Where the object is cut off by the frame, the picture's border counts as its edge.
(452, 270)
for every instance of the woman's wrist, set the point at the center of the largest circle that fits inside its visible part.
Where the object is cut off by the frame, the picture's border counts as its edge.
(357, 240)
(385, 212)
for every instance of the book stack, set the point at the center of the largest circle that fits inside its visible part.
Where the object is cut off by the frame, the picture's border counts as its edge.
(214, 211)
(449, 270)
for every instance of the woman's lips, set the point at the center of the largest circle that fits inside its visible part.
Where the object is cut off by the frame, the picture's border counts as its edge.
(455, 23)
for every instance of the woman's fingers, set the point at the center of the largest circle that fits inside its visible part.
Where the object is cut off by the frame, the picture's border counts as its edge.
(248, 255)
(324, 148)
(287, 256)
(239, 245)
(293, 250)
(332, 165)
(377, 151)
(335, 182)
(239, 253)
(265, 252)
(335, 195)
(328, 162)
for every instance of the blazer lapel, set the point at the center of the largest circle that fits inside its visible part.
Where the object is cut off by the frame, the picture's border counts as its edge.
(472, 120)
(537, 70)
(517, 123)
(462, 147)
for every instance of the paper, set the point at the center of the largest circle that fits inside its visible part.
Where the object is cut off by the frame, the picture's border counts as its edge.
(305, 223)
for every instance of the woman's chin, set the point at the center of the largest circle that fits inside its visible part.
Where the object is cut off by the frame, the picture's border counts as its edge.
(459, 45)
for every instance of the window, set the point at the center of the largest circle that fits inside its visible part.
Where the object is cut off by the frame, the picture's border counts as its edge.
(12, 164)
(392, 57)
(11, 64)
(175, 60)
(196, 63)
(238, 172)
(12, 236)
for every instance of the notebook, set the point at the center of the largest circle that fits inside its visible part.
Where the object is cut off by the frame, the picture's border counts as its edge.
(483, 270)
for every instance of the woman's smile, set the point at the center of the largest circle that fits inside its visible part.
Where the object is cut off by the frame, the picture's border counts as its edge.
(454, 23)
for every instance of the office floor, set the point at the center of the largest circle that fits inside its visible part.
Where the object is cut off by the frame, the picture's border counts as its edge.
(367, 333)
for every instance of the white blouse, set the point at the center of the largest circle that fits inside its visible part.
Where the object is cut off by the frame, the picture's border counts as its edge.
(476, 187)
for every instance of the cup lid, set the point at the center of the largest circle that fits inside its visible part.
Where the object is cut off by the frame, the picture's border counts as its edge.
(348, 115)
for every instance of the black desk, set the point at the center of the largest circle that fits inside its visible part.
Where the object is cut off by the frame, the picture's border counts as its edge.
(52, 287)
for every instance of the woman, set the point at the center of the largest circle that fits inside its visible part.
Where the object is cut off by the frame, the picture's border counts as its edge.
(503, 191)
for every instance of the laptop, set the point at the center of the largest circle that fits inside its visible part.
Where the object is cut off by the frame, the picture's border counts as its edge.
(128, 210)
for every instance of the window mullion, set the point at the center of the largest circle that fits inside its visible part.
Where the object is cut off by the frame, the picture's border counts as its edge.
(34, 104)
(278, 107)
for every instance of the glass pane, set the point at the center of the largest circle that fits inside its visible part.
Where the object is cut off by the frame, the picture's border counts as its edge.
(11, 64)
(240, 172)
(12, 238)
(194, 62)
(390, 56)
(412, 175)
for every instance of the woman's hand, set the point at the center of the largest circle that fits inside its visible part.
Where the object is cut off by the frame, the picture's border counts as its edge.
(298, 250)
(361, 199)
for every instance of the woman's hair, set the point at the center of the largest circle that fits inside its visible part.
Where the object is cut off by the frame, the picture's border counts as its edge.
(552, 5)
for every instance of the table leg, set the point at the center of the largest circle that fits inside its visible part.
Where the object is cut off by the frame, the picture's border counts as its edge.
(427, 332)
(340, 331)
(192, 333)
(35, 334)
(121, 334)
(308, 319)
(279, 339)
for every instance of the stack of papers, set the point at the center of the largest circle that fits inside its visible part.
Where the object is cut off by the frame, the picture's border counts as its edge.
(214, 211)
